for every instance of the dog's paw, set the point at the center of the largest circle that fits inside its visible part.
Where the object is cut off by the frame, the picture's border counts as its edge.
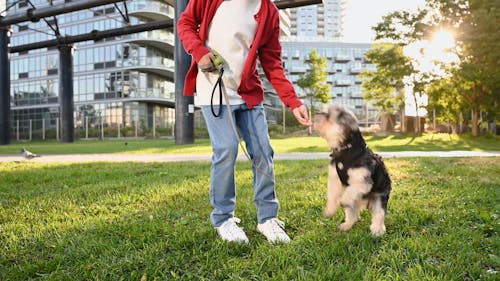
(345, 226)
(377, 230)
(329, 211)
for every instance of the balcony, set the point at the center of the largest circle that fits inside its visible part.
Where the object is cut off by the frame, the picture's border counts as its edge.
(298, 69)
(356, 70)
(342, 58)
(356, 95)
(343, 83)
(160, 39)
(154, 10)
(158, 65)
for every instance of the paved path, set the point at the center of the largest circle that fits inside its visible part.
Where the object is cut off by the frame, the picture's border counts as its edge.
(206, 157)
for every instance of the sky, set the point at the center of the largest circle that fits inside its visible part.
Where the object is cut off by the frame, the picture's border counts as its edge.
(361, 15)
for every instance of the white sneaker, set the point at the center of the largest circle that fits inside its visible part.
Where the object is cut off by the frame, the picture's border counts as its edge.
(274, 231)
(229, 231)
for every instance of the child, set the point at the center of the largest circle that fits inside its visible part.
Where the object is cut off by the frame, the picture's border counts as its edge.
(240, 31)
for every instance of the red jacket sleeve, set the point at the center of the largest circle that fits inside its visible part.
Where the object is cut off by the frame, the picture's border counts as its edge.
(270, 60)
(188, 26)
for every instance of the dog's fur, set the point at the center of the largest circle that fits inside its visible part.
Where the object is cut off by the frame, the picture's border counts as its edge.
(357, 177)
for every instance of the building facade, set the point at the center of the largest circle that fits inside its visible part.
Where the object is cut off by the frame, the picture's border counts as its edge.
(122, 85)
(345, 61)
(124, 81)
(321, 22)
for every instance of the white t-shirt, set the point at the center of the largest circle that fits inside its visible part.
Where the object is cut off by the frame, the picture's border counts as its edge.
(230, 34)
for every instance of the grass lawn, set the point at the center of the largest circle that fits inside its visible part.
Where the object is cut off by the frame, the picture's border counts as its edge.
(427, 142)
(149, 221)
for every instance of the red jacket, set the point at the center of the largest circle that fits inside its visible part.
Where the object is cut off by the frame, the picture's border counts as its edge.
(192, 28)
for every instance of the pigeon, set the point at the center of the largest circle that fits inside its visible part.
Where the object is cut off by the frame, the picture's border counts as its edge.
(28, 155)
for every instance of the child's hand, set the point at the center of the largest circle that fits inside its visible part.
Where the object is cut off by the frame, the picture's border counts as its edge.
(301, 115)
(205, 63)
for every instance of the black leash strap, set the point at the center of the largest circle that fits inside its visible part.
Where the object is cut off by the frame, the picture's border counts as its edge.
(221, 85)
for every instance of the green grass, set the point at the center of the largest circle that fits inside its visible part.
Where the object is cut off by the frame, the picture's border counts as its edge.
(427, 142)
(149, 221)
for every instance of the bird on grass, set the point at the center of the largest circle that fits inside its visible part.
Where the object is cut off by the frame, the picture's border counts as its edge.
(27, 154)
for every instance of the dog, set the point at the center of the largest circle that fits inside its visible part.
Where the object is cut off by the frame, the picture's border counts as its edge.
(357, 177)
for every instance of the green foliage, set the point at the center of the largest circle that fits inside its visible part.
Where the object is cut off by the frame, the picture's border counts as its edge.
(150, 221)
(384, 87)
(402, 27)
(474, 24)
(313, 83)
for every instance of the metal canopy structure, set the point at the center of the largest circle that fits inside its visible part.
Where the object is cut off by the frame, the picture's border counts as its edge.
(65, 46)
(35, 15)
(184, 131)
(95, 35)
(284, 4)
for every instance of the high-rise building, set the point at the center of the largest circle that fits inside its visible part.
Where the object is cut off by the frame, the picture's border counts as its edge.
(345, 61)
(321, 22)
(124, 81)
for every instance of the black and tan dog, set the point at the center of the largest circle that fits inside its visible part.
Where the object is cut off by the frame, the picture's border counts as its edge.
(357, 177)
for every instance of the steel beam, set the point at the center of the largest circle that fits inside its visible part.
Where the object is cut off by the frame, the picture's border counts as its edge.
(184, 106)
(95, 35)
(4, 86)
(284, 4)
(35, 15)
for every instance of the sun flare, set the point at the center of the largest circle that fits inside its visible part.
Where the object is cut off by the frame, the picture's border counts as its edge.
(442, 40)
(427, 53)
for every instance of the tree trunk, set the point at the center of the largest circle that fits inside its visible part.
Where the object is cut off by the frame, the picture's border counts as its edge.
(460, 123)
(310, 112)
(475, 123)
(403, 121)
(388, 121)
(418, 131)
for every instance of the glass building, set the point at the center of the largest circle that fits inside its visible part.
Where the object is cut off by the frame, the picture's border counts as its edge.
(345, 61)
(124, 81)
(124, 86)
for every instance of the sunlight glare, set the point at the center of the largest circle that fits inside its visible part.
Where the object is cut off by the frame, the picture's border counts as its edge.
(440, 46)
(437, 50)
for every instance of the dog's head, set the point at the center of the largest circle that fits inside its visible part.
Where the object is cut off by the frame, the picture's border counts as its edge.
(335, 125)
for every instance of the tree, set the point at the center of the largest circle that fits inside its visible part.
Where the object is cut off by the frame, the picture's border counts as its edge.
(480, 44)
(475, 25)
(313, 83)
(445, 97)
(384, 87)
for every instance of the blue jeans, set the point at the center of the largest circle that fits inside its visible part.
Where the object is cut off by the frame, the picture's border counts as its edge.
(252, 127)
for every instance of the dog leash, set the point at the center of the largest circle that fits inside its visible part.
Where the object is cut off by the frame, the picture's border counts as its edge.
(219, 66)
(223, 93)
(220, 83)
